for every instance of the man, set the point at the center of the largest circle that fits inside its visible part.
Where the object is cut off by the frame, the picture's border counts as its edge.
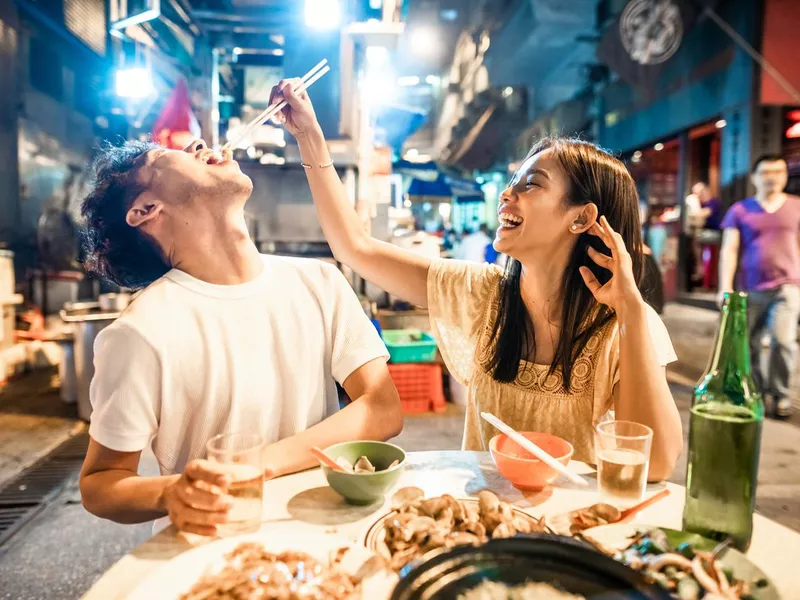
(473, 245)
(222, 339)
(709, 204)
(766, 228)
(490, 255)
(696, 215)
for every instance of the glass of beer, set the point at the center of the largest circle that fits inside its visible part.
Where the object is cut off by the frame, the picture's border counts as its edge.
(241, 455)
(622, 450)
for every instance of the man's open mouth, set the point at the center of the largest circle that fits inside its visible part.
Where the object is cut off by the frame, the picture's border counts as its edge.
(212, 158)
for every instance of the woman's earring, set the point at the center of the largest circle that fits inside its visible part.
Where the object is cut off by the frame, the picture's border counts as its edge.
(574, 227)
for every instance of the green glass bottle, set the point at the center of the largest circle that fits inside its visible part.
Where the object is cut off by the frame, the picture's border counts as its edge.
(725, 435)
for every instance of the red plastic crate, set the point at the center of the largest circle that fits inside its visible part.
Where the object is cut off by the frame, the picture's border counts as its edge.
(419, 386)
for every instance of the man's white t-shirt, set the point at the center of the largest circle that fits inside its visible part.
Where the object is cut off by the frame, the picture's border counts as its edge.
(473, 247)
(188, 360)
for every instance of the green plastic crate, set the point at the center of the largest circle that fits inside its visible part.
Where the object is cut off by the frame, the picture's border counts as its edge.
(403, 350)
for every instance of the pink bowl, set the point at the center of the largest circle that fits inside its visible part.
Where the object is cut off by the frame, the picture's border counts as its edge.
(521, 467)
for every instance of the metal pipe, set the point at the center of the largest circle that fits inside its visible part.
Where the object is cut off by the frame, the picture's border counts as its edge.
(754, 54)
(214, 141)
(184, 15)
(258, 30)
(263, 16)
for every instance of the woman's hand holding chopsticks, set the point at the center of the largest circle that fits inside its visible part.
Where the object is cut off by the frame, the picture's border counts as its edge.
(298, 115)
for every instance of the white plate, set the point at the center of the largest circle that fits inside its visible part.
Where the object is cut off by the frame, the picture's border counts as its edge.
(178, 575)
(375, 538)
(618, 535)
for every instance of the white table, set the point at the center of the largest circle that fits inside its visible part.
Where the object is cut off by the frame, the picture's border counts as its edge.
(304, 502)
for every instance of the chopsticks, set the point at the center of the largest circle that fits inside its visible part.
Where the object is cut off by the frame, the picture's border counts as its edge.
(308, 80)
(631, 512)
(532, 448)
(327, 460)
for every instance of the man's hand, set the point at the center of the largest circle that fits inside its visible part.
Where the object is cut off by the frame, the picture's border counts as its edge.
(721, 297)
(299, 116)
(197, 502)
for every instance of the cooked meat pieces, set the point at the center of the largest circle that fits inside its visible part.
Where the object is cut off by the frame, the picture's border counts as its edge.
(252, 573)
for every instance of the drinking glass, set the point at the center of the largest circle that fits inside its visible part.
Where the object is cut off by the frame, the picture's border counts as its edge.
(241, 456)
(622, 450)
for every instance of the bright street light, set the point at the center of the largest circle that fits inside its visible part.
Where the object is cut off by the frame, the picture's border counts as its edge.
(134, 83)
(424, 42)
(323, 14)
(408, 81)
(721, 123)
(379, 87)
(377, 56)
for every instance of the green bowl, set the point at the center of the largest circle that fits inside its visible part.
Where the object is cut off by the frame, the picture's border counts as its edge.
(365, 488)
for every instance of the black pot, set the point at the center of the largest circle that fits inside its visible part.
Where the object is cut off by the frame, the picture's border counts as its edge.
(567, 564)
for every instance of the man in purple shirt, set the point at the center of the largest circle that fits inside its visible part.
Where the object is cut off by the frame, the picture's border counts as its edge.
(766, 227)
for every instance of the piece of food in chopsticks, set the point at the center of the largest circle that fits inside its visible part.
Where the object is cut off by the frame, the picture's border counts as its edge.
(252, 572)
(686, 572)
(362, 465)
(593, 516)
(603, 514)
(493, 590)
(419, 525)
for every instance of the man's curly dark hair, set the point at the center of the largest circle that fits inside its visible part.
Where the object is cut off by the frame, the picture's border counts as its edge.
(114, 250)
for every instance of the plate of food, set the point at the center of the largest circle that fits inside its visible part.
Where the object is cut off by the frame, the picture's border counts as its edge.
(270, 565)
(688, 565)
(418, 526)
(536, 566)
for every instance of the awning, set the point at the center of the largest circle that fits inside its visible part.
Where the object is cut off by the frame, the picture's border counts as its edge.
(447, 186)
(465, 190)
(436, 188)
(426, 171)
(487, 137)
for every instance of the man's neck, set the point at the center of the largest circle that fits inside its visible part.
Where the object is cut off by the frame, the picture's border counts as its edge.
(223, 254)
(770, 199)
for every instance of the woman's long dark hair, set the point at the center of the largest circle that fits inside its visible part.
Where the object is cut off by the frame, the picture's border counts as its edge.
(594, 176)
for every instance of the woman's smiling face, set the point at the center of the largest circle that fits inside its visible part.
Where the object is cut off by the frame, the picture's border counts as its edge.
(532, 213)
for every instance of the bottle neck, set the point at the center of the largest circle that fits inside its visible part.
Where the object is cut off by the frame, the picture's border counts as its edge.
(732, 346)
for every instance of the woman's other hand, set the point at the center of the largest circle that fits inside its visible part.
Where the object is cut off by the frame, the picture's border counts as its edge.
(620, 292)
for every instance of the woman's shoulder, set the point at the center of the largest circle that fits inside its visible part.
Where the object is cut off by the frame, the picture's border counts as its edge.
(470, 274)
(659, 335)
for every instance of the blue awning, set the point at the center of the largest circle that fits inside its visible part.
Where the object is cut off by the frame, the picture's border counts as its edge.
(465, 190)
(426, 171)
(447, 186)
(436, 188)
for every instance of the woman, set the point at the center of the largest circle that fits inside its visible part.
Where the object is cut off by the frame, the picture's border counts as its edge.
(561, 337)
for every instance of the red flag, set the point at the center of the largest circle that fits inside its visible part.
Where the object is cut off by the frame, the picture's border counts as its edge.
(177, 126)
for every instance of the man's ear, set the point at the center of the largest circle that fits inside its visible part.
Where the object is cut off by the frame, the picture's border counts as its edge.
(144, 209)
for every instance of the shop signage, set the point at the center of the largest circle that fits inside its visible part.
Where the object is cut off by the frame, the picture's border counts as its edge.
(651, 30)
(647, 34)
